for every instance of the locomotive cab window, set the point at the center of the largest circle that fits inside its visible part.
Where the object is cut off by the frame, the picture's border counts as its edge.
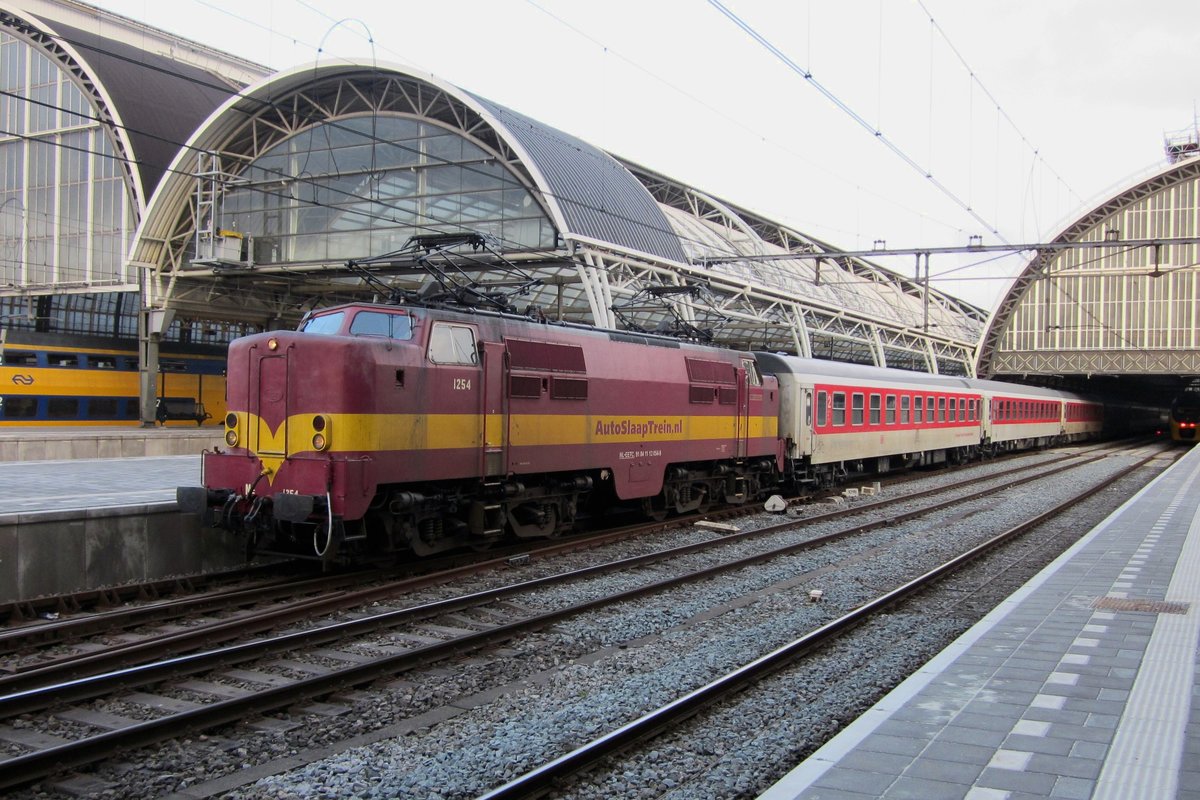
(453, 344)
(751, 372)
(327, 324)
(378, 323)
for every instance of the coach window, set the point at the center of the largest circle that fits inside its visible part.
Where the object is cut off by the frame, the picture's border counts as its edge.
(962, 409)
(839, 408)
(822, 409)
(972, 410)
(62, 408)
(17, 407)
(453, 344)
(953, 408)
(918, 409)
(62, 359)
(856, 409)
(890, 419)
(929, 408)
(941, 417)
(875, 407)
(905, 405)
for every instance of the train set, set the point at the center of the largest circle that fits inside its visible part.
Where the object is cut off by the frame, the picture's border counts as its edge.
(59, 380)
(379, 429)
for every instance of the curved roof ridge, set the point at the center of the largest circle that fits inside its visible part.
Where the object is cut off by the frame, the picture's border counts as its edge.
(168, 99)
(599, 197)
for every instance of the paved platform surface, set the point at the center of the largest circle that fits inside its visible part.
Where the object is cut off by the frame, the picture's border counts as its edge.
(1081, 685)
(72, 442)
(30, 486)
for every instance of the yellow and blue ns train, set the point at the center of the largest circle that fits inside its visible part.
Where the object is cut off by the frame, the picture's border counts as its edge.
(58, 380)
(1185, 417)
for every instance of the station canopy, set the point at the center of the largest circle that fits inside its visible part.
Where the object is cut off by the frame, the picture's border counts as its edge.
(1123, 317)
(341, 182)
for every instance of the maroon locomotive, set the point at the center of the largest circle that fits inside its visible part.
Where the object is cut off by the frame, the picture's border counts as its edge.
(381, 428)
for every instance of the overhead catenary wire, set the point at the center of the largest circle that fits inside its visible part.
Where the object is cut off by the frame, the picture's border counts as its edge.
(879, 135)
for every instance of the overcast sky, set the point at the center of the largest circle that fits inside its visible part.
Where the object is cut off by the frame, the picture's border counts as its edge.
(679, 87)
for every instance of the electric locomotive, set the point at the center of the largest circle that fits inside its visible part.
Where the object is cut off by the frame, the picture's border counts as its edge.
(381, 428)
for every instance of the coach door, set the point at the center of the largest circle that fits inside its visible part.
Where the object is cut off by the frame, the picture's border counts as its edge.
(495, 414)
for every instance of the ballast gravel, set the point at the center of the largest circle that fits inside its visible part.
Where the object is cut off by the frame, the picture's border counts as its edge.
(588, 675)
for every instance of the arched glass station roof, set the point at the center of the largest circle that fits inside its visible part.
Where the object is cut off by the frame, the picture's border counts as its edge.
(89, 124)
(1112, 311)
(257, 216)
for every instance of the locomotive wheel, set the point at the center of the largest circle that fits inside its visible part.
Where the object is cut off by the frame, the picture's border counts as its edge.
(654, 508)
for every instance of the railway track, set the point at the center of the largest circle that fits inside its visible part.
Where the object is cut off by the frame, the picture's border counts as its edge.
(445, 629)
(667, 718)
(247, 611)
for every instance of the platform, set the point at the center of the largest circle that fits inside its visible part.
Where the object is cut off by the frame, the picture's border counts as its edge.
(81, 524)
(1081, 685)
(81, 484)
(70, 443)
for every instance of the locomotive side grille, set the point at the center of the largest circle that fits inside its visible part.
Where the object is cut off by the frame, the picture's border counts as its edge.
(524, 386)
(705, 371)
(568, 389)
(524, 354)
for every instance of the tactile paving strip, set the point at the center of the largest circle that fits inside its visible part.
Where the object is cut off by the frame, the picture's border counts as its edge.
(1132, 604)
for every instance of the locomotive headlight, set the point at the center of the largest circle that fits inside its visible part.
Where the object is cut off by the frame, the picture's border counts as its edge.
(231, 438)
(231, 420)
(272, 344)
(320, 439)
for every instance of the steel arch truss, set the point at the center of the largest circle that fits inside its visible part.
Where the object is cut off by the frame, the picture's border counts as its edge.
(1133, 312)
(269, 294)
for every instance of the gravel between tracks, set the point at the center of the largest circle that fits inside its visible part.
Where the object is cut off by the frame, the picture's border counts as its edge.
(589, 675)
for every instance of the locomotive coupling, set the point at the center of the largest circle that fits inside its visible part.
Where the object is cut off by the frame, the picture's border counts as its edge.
(294, 507)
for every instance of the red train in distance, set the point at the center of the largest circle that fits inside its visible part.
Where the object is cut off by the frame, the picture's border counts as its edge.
(381, 429)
